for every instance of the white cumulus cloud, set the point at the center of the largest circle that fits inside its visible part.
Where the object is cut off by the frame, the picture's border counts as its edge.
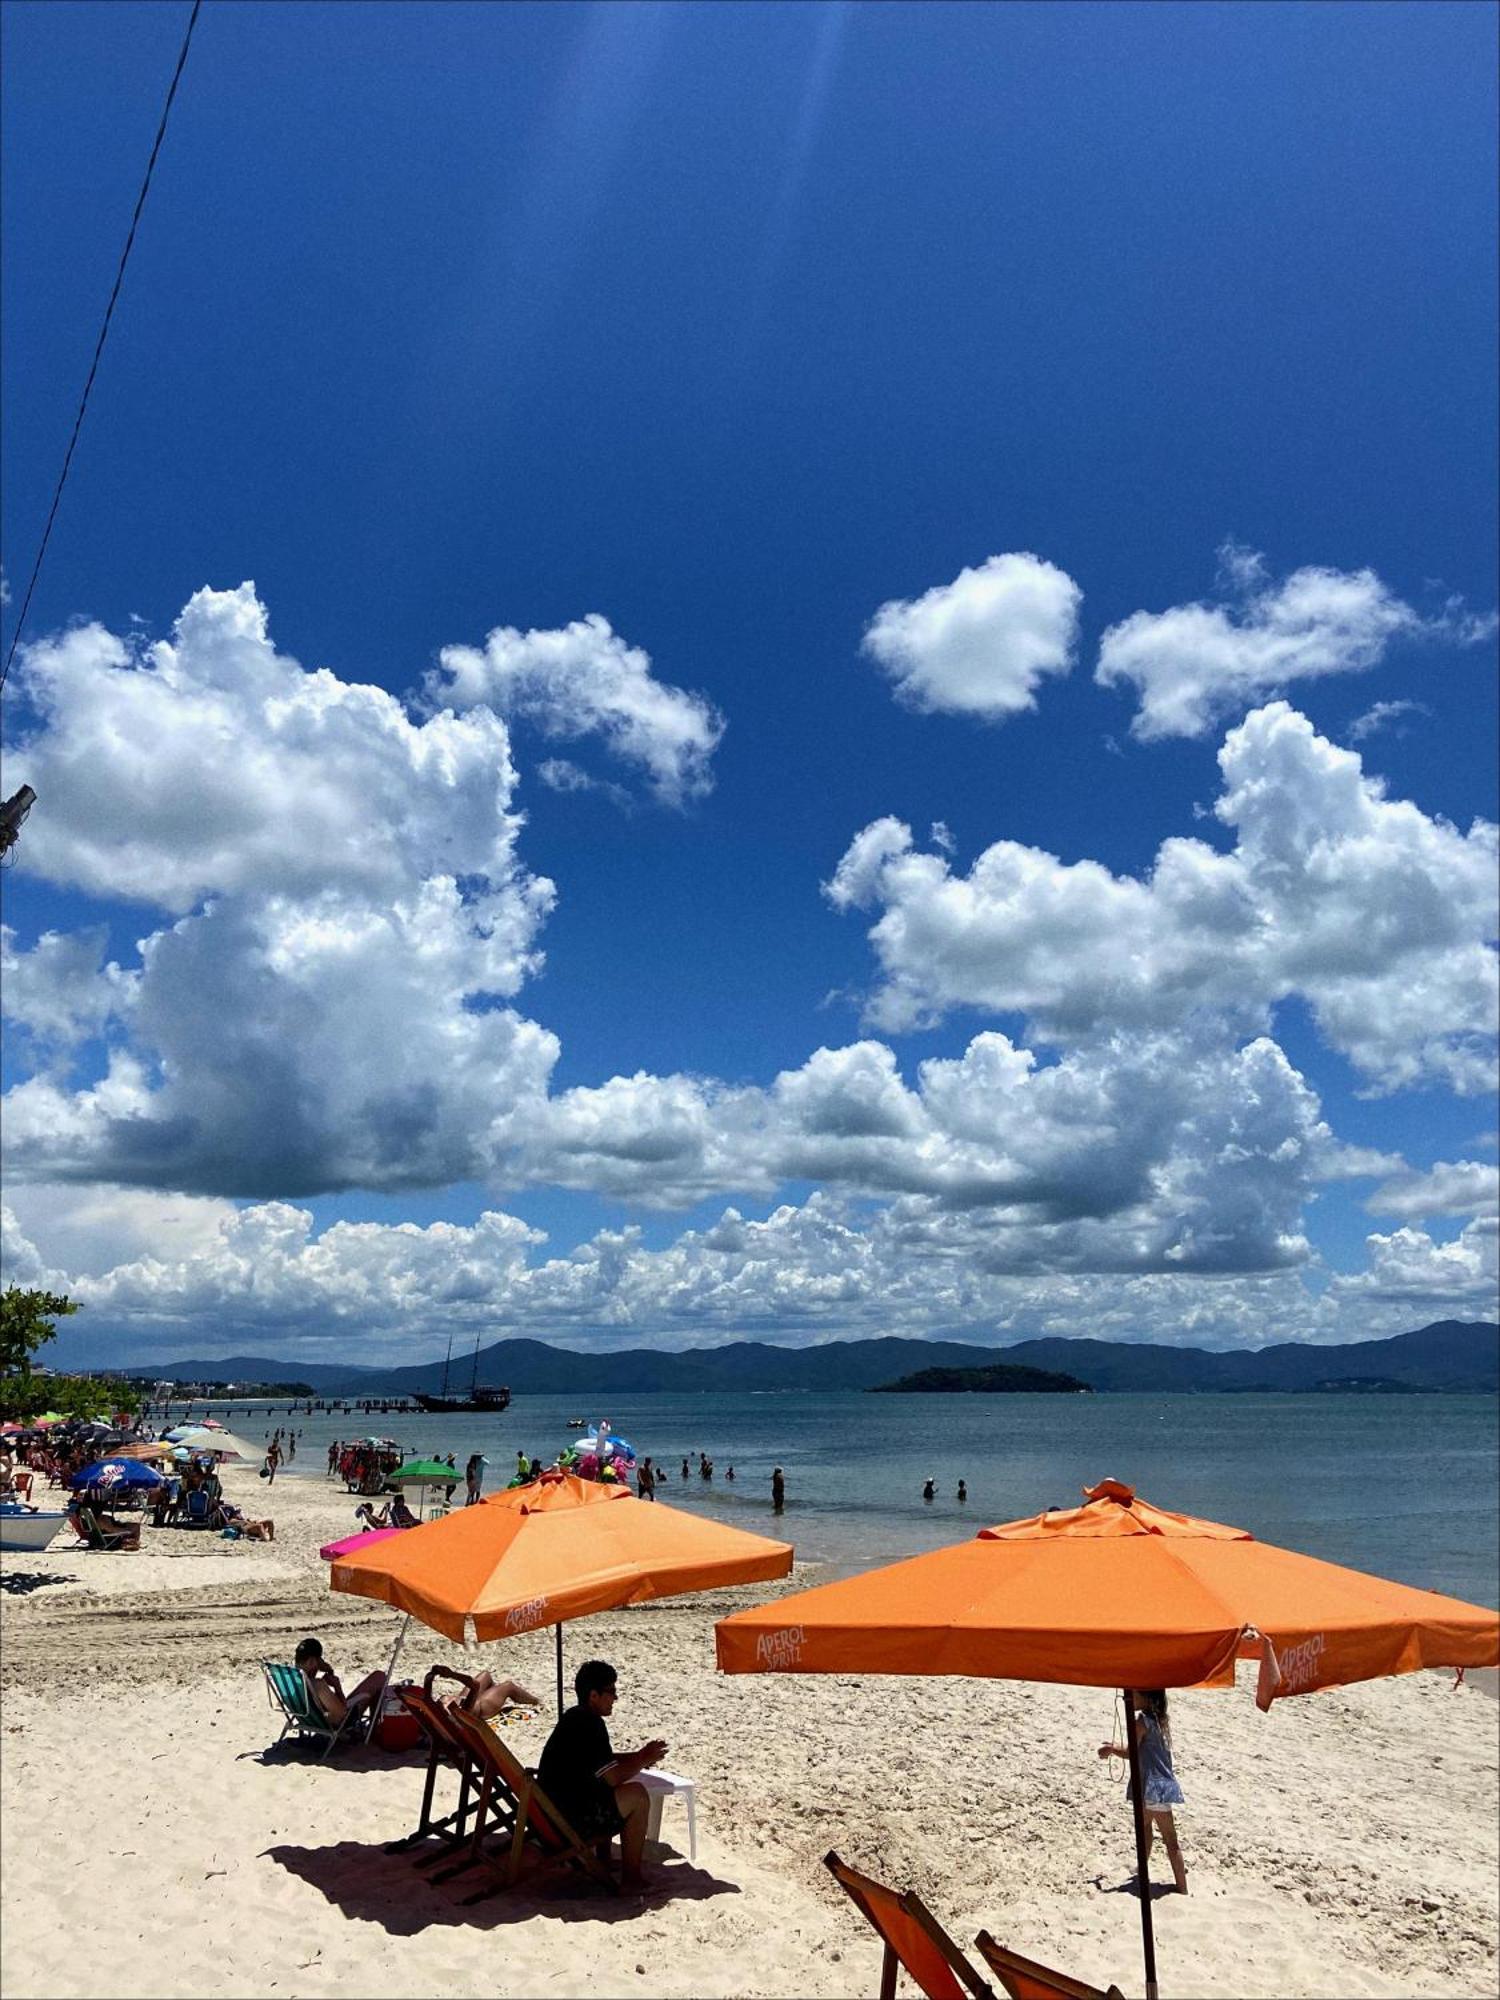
(1409, 1268)
(1451, 1187)
(1196, 663)
(264, 1278)
(327, 1009)
(584, 680)
(62, 990)
(980, 644)
(1381, 918)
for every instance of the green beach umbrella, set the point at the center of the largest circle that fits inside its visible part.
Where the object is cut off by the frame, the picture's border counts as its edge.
(424, 1472)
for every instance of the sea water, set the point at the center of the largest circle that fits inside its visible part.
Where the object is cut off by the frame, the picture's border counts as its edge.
(1403, 1486)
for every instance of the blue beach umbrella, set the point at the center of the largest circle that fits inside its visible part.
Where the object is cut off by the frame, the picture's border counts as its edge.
(114, 1475)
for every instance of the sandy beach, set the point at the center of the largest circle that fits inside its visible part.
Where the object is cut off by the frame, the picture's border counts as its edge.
(1344, 1845)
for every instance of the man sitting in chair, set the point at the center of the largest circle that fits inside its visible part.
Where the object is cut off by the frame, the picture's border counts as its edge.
(593, 1787)
(326, 1690)
(120, 1534)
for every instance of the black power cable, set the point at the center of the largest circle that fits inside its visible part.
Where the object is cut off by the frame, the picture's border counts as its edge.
(62, 478)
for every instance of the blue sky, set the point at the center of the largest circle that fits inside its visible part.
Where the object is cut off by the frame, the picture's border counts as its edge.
(730, 326)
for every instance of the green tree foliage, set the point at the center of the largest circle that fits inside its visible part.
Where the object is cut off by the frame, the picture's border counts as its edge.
(26, 1324)
(26, 1396)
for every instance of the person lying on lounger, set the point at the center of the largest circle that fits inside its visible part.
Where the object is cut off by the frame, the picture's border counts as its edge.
(327, 1690)
(254, 1531)
(483, 1696)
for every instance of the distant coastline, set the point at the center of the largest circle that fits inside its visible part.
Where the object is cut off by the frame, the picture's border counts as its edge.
(1450, 1356)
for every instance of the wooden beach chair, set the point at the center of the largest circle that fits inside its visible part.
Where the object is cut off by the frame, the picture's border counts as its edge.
(291, 1699)
(511, 1801)
(446, 1749)
(1024, 1979)
(913, 1938)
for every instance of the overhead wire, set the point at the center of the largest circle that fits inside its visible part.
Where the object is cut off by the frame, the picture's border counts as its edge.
(140, 203)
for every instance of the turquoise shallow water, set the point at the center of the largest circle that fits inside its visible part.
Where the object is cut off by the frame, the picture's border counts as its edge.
(1404, 1486)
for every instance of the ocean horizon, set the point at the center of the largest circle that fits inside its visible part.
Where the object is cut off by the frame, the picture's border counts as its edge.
(1405, 1486)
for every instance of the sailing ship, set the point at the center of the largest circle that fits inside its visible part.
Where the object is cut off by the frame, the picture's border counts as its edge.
(477, 1397)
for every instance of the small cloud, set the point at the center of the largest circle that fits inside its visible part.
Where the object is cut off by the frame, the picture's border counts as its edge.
(1194, 664)
(941, 837)
(1382, 714)
(562, 775)
(1241, 569)
(584, 680)
(980, 644)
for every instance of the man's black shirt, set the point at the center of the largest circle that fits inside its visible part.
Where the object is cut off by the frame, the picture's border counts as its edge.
(575, 1753)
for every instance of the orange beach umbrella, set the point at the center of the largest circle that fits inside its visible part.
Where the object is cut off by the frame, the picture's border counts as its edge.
(559, 1548)
(1116, 1593)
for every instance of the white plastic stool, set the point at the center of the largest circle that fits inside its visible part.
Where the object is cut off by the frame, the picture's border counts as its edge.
(664, 1785)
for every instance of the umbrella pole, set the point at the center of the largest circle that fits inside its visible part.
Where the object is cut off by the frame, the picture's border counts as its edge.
(1142, 1845)
(559, 1672)
(377, 1706)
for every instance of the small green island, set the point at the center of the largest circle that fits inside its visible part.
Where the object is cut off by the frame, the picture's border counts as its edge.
(999, 1380)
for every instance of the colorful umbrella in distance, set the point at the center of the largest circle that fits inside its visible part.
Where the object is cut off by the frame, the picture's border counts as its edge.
(225, 1443)
(114, 1475)
(1116, 1593)
(424, 1472)
(332, 1551)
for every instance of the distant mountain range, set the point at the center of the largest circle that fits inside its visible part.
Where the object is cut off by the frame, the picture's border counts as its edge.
(1451, 1354)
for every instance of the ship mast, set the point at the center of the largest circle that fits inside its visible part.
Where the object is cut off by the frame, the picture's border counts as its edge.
(446, 1359)
(474, 1371)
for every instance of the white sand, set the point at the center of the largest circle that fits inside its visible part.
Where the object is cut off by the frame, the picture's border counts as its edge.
(1344, 1845)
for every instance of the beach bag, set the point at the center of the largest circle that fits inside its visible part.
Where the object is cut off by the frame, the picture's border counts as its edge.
(265, 1472)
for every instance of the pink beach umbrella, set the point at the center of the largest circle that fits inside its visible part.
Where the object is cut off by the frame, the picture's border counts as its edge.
(367, 1538)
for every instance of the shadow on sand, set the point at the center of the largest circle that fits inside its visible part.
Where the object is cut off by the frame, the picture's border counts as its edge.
(21, 1582)
(1131, 1886)
(359, 1878)
(356, 1759)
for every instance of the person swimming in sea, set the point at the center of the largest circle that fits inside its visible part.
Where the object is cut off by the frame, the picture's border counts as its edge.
(963, 1491)
(929, 1491)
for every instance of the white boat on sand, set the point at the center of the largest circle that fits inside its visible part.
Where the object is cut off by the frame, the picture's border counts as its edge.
(30, 1528)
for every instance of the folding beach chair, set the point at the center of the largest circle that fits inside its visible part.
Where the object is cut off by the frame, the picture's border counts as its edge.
(510, 1799)
(199, 1509)
(446, 1748)
(1024, 1979)
(913, 1938)
(292, 1701)
(96, 1537)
